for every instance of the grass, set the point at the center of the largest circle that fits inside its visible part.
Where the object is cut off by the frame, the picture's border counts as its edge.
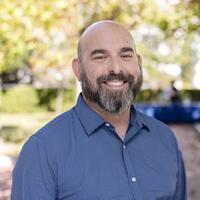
(16, 128)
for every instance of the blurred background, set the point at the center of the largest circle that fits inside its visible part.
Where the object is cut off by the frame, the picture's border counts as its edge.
(38, 41)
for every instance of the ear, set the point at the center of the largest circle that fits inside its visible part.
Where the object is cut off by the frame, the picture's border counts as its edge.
(139, 58)
(76, 68)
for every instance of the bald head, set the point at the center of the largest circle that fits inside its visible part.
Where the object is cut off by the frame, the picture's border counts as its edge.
(98, 29)
(108, 66)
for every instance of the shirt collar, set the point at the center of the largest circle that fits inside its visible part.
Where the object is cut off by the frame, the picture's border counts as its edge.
(137, 119)
(89, 118)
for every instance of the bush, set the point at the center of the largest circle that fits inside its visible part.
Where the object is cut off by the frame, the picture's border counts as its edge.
(25, 98)
(155, 95)
(69, 99)
(148, 96)
(47, 98)
(13, 134)
(193, 95)
(19, 99)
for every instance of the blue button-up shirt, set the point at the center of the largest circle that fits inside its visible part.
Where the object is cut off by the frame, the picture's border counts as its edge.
(79, 156)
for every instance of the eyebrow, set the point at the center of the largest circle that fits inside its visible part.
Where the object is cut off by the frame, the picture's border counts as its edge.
(96, 51)
(103, 51)
(126, 49)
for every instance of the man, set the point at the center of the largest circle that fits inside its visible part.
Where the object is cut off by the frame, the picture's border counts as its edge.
(103, 148)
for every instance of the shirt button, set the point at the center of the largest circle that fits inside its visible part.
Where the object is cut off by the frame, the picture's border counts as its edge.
(107, 124)
(133, 179)
(124, 146)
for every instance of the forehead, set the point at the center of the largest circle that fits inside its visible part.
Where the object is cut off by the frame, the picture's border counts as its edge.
(110, 37)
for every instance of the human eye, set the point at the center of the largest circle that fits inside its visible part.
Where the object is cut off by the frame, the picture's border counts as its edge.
(99, 57)
(127, 55)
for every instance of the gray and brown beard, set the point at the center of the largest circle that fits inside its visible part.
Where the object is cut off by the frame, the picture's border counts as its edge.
(114, 101)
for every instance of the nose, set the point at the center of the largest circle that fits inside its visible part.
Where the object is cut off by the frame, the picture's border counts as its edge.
(115, 66)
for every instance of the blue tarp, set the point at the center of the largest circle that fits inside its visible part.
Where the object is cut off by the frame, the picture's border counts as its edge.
(173, 113)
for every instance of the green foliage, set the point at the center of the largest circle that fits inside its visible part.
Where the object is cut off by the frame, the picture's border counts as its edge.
(46, 97)
(17, 127)
(19, 99)
(192, 95)
(13, 134)
(42, 34)
(148, 96)
(28, 99)
(68, 99)
(152, 96)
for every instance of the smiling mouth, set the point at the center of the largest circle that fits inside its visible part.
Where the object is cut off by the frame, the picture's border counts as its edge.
(115, 83)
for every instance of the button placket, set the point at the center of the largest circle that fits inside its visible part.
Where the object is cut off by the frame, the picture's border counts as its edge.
(131, 175)
(133, 179)
(107, 124)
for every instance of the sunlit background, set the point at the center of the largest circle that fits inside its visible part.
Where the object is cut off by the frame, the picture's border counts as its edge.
(38, 41)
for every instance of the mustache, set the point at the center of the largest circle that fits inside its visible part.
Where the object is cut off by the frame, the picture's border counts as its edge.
(119, 77)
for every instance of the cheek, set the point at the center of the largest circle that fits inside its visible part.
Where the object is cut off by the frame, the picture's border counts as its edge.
(135, 71)
(138, 71)
(92, 77)
(93, 74)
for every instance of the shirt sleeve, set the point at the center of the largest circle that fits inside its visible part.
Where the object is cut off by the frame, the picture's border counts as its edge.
(33, 177)
(181, 187)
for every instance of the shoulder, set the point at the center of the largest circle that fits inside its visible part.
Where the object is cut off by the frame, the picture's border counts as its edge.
(56, 136)
(160, 131)
(154, 123)
(57, 127)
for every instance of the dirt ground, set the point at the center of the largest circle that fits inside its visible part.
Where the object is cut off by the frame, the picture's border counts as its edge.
(189, 142)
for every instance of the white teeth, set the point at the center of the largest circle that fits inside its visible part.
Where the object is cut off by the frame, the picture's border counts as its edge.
(115, 83)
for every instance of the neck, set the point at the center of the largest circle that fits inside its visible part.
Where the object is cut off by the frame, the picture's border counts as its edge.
(119, 120)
